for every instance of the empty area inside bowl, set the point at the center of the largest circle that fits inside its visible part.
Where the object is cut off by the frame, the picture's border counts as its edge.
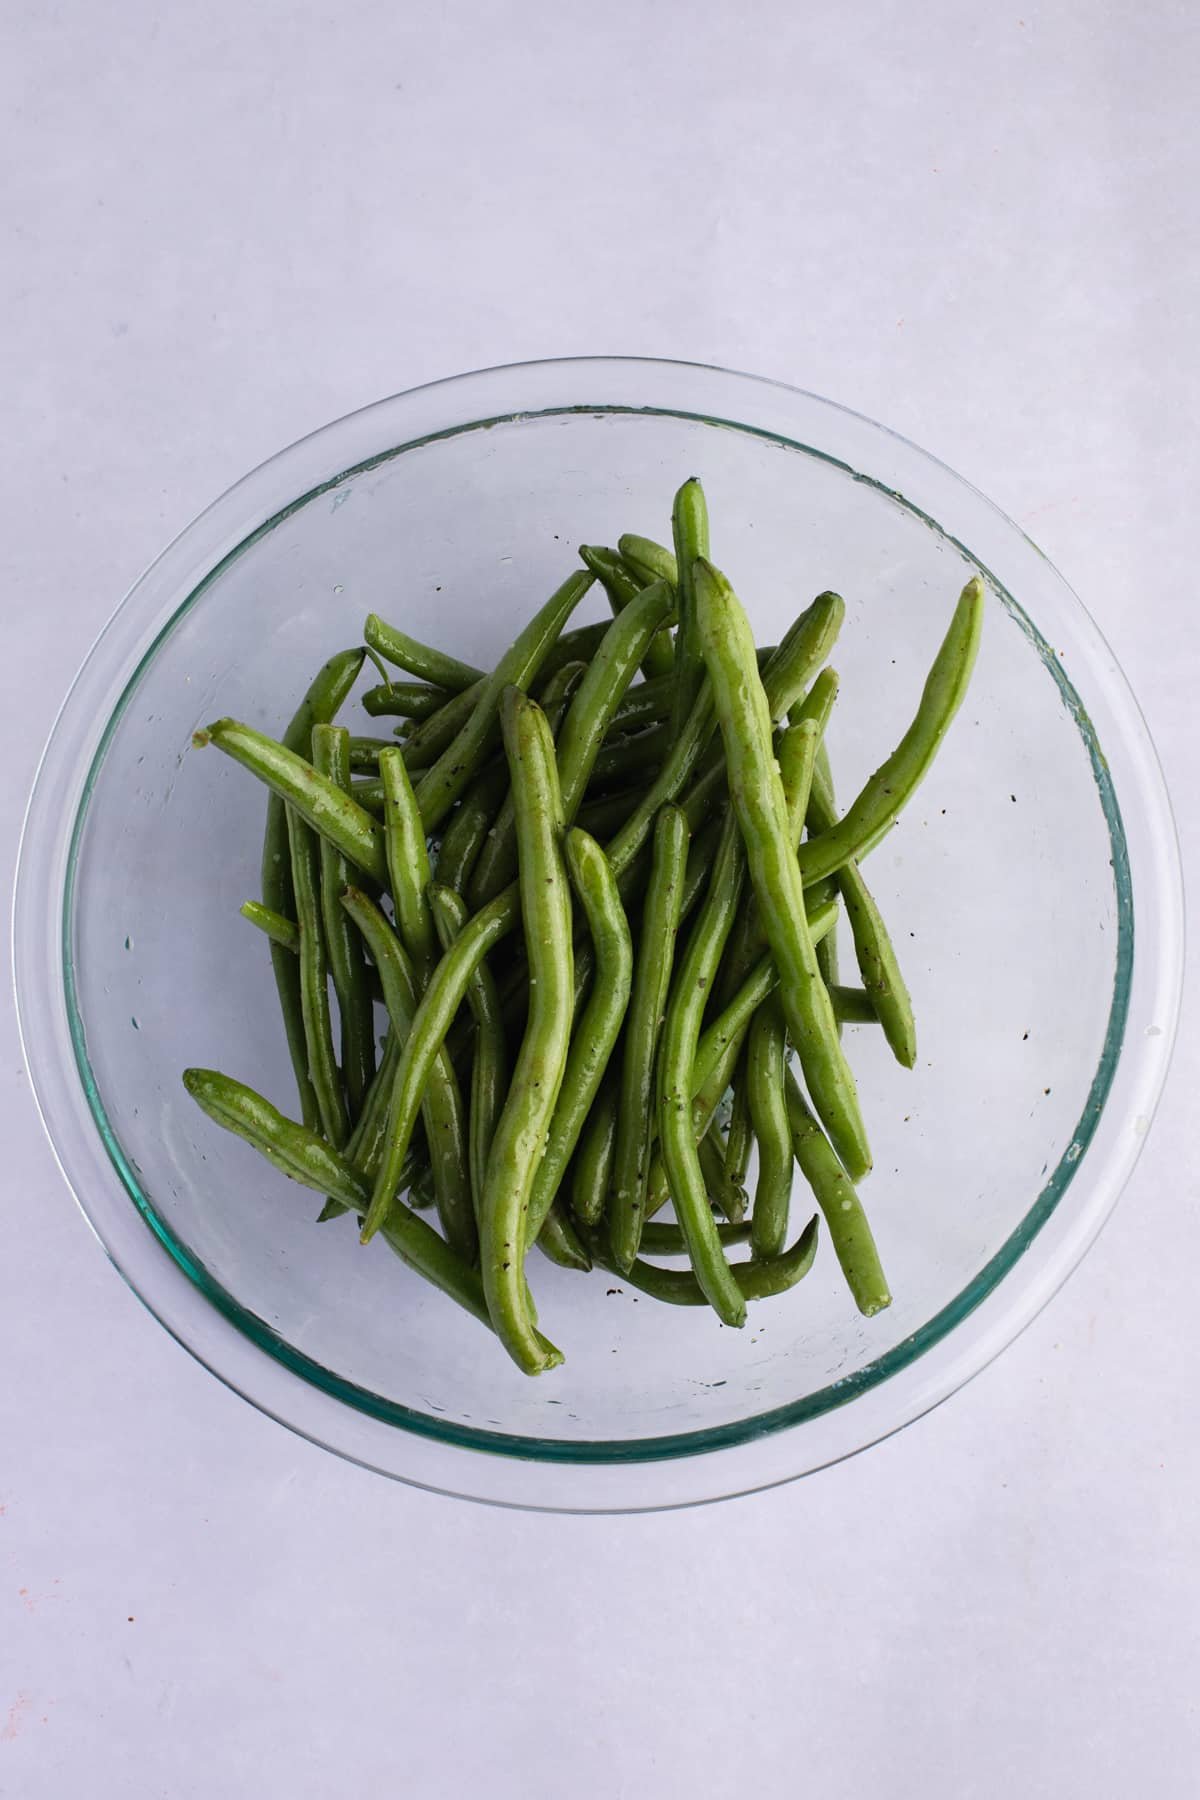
(998, 887)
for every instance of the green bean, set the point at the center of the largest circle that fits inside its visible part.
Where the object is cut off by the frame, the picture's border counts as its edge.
(655, 957)
(849, 1231)
(409, 873)
(681, 1029)
(689, 527)
(434, 1016)
(787, 675)
(620, 584)
(404, 700)
(598, 695)
(281, 931)
(319, 801)
(647, 560)
(596, 1033)
(754, 1280)
(328, 690)
(347, 965)
(892, 785)
(323, 1069)
(603, 687)
(728, 1198)
(622, 589)
(591, 1172)
(365, 1145)
(442, 1108)
(757, 796)
(878, 963)
(521, 1131)
(304, 1156)
(435, 734)
(364, 752)
(853, 1005)
(601, 818)
(578, 645)
(632, 758)
(442, 785)
(739, 1136)
(559, 1240)
(668, 1239)
(721, 1042)
(766, 1066)
(668, 783)
(497, 862)
(466, 833)
(419, 659)
(488, 927)
(644, 704)
(489, 1068)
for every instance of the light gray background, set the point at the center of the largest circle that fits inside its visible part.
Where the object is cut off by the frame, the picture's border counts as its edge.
(224, 225)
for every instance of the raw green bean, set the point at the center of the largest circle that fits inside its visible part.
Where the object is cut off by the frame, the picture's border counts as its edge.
(443, 1111)
(578, 645)
(878, 963)
(849, 1231)
(442, 785)
(521, 1131)
(766, 1065)
(723, 1193)
(365, 1145)
(668, 783)
(601, 818)
(603, 687)
(892, 785)
(596, 1033)
(466, 833)
(319, 801)
(622, 589)
(592, 1168)
(757, 796)
(721, 1042)
(681, 1030)
(754, 1280)
(559, 1240)
(435, 734)
(489, 1068)
(632, 758)
(644, 704)
(329, 689)
(854, 1005)
(739, 1136)
(409, 873)
(347, 965)
(419, 659)
(668, 1239)
(497, 862)
(307, 1158)
(620, 584)
(404, 700)
(323, 1068)
(364, 752)
(281, 931)
(655, 958)
(689, 527)
(489, 926)
(647, 560)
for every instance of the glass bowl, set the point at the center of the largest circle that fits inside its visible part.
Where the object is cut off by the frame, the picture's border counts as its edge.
(1033, 890)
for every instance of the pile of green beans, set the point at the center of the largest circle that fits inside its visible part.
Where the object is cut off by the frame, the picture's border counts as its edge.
(545, 954)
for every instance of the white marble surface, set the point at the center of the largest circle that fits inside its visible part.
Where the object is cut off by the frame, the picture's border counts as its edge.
(224, 225)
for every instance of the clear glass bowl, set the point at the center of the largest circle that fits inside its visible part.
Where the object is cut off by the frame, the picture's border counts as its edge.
(1033, 888)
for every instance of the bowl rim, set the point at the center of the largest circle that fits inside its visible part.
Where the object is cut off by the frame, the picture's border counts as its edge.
(444, 1431)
